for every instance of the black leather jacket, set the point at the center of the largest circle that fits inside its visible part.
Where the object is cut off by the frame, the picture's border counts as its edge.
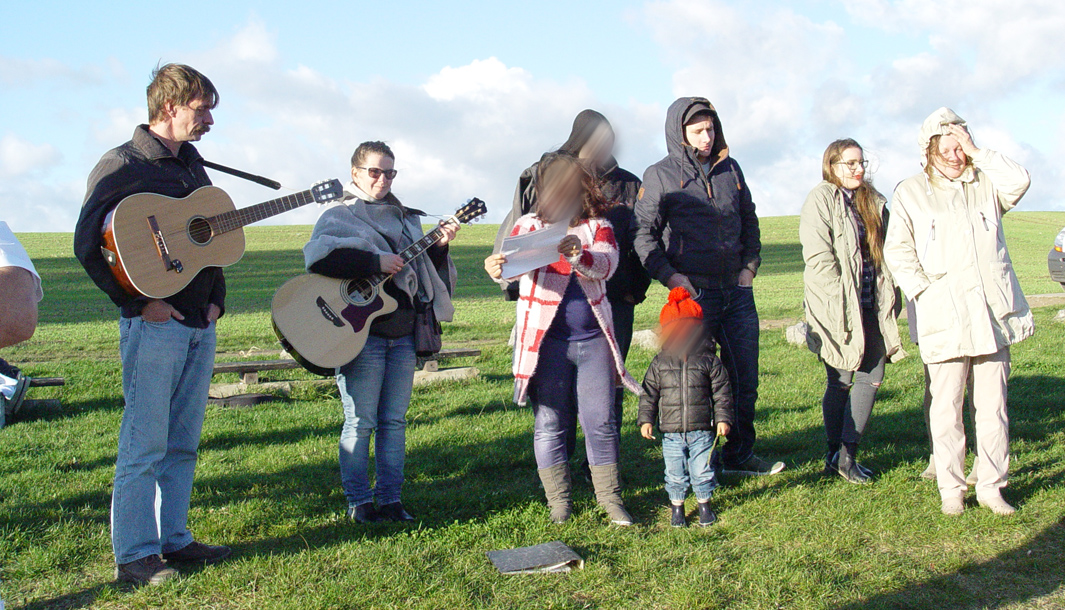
(686, 393)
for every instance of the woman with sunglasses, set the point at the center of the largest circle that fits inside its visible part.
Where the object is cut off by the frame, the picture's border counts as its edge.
(850, 299)
(356, 238)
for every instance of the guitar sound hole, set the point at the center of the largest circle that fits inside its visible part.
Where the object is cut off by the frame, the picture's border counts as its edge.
(360, 293)
(200, 231)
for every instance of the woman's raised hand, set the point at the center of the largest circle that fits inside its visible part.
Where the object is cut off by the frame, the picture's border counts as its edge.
(965, 139)
(494, 265)
(570, 246)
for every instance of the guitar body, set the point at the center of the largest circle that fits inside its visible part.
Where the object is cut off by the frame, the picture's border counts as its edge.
(323, 322)
(132, 229)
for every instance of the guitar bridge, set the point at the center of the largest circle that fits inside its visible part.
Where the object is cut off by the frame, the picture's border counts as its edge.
(160, 245)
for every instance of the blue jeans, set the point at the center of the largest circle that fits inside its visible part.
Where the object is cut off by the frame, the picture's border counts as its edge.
(732, 320)
(687, 457)
(166, 373)
(574, 381)
(375, 390)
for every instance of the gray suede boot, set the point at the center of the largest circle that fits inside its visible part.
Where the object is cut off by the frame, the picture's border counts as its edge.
(607, 485)
(557, 484)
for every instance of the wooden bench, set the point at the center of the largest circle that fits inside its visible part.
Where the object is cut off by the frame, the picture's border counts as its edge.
(249, 369)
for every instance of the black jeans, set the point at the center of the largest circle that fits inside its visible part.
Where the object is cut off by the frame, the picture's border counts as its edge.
(731, 319)
(849, 395)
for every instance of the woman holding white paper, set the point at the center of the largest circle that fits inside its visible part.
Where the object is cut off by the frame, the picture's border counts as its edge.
(566, 357)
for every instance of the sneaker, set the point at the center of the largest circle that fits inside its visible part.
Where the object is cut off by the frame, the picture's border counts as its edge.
(677, 517)
(707, 516)
(929, 473)
(754, 467)
(393, 512)
(997, 505)
(952, 507)
(198, 552)
(150, 570)
(363, 513)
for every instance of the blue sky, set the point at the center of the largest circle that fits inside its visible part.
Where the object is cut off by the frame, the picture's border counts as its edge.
(470, 93)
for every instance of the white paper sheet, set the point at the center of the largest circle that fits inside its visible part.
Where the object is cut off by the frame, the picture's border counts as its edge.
(532, 250)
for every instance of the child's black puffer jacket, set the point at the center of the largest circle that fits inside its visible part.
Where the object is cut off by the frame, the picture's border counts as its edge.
(686, 394)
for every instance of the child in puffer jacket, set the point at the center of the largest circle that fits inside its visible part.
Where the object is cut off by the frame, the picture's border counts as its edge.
(686, 389)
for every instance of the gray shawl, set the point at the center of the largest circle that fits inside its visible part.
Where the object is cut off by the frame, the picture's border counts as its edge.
(363, 223)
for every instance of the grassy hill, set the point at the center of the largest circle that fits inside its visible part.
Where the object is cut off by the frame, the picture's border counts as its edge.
(268, 481)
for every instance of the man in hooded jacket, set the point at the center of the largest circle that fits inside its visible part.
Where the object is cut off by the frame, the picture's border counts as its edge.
(697, 228)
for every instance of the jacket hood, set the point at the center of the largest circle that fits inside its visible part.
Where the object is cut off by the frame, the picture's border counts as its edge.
(584, 127)
(675, 144)
(937, 124)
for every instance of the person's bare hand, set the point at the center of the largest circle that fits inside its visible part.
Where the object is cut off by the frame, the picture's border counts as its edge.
(965, 139)
(679, 279)
(723, 429)
(391, 263)
(213, 312)
(449, 228)
(493, 265)
(746, 278)
(647, 431)
(160, 311)
(570, 246)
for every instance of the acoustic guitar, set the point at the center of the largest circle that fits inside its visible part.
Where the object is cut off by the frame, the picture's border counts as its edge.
(156, 245)
(323, 322)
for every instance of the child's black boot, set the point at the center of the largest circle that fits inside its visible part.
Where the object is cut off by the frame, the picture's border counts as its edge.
(677, 519)
(706, 514)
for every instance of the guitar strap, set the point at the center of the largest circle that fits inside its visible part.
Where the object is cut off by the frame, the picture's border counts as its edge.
(268, 183)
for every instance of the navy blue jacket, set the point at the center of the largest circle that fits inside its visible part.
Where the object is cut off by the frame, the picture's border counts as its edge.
(697, 223)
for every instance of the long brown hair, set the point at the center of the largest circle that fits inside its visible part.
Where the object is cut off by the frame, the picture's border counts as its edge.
(561, 165)
(866, 198)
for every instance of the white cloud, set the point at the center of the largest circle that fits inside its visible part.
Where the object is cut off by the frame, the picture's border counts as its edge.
(19, 157)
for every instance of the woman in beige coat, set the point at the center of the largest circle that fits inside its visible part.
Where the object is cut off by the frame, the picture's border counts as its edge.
(850, 299)
(947, 250)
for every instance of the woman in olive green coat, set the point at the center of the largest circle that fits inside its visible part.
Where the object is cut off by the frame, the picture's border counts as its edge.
(850, 299)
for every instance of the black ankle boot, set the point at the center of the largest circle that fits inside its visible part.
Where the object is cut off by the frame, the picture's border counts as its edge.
(847, 467)
(707, 516)
(678, 519)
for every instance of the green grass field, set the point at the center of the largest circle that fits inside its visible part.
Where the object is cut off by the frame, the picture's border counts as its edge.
(268, 481)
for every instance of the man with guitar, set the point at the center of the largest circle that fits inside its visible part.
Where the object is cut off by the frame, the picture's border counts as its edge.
(360, 238)
(167, 345)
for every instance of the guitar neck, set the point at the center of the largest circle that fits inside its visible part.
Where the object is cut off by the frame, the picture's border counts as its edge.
(412, 252)
(235, 219)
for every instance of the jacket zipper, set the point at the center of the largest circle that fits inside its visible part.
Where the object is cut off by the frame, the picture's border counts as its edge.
(984, 218)
(931, 238)
(684, 394)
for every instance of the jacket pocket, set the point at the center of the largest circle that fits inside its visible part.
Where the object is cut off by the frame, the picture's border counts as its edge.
(936, 311)
(1002, 297)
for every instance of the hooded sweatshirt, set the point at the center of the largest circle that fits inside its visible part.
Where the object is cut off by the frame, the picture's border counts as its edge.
(693, 221)
(618, 185)
(946, 249)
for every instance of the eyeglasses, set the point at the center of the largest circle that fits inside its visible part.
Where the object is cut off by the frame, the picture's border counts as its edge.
(377, 172)
(854, 165)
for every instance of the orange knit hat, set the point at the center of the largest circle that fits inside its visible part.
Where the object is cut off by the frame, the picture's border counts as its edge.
(680, 305)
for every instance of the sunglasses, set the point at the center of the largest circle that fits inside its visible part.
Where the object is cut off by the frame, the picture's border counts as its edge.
(377, 172)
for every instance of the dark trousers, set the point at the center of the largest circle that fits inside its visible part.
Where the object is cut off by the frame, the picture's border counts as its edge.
(731, 319)
(849, 395)
(574, 381)
(624, 314)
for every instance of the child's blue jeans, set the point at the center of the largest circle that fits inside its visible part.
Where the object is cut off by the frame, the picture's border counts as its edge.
(687, 456)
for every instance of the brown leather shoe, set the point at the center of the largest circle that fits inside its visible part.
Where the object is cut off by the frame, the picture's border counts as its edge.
(150, 570)
(198, 552)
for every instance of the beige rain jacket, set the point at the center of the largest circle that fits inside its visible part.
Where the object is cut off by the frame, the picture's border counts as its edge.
(832, 280)
(947, 250)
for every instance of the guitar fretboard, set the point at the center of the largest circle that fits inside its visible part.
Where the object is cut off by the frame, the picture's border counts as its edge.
(410, 253)
(233, 220)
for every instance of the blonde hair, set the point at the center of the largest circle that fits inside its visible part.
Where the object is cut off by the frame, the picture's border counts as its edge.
(866, 198)
(932, 152)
